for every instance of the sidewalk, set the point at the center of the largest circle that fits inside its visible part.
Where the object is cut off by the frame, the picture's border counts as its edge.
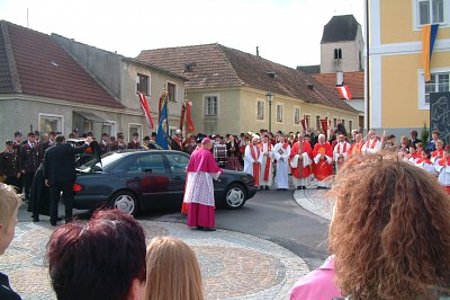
(234, 265)
(315, 201)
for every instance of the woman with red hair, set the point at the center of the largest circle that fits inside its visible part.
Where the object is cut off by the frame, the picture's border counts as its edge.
(390, 231)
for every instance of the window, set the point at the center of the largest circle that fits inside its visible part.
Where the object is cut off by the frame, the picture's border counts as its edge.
(109, 128)
(177, 162)
(343, 122)
(430, 12)
(134, 128)
(49, 123)
(142, 84)
(350, 126)
(211, 106)
(439, 83)
(334, 123)
(337, 53)
(259, 110)
(150, 163)
(297, 115)
(318, 122)
(171, 89)
(279, 113)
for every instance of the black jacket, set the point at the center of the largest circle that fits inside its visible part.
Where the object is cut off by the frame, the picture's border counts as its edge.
(59, 162)
(6, 293)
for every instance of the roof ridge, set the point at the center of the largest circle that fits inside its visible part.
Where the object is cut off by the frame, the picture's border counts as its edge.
(15, 79)
(180, 47)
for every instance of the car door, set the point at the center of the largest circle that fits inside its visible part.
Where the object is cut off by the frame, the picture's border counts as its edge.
(148, 176)
(177, 162)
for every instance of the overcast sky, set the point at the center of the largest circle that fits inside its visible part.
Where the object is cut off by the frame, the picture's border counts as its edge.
(287, 31)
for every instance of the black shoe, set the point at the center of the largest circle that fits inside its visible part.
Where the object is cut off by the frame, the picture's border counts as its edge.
(35, 219)
(200, 228)
(261, 188)
(209, 229)
(53, 223)
(267, 188)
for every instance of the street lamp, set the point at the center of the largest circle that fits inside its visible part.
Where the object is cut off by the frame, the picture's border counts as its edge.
(269, 97)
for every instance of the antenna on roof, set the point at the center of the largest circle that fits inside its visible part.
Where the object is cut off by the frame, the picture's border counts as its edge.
(257, 51)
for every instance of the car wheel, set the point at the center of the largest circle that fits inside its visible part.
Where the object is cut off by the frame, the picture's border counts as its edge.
(235, 196)
(126, 202)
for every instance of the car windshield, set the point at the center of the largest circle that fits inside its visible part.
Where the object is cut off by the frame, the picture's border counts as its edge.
(107, 159)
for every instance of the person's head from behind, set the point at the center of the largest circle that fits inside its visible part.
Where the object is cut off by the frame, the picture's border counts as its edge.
(390, 230)
(102, 259)
(172, 271)
(9, 204)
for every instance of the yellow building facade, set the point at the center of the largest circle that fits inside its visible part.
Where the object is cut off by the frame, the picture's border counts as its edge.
(398, 94)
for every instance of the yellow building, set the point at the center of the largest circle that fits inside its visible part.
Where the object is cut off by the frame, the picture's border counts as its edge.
(229, 90)
(399, 97)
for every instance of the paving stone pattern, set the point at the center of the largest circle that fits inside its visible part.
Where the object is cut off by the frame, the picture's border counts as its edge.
(233, 265)
(316, 201)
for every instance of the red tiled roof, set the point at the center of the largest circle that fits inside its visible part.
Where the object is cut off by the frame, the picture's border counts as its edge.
(354, 80)
(45, 69)
(215, 65)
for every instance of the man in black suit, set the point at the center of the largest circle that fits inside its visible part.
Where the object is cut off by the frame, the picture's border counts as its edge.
(59, 173)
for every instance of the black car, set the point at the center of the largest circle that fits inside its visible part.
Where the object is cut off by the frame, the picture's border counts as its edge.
(135, 180)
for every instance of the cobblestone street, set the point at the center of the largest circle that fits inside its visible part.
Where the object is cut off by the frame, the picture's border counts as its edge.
(234, 265)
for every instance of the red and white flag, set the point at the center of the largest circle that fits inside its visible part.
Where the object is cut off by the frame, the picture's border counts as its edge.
(344, 92)
(146, 108)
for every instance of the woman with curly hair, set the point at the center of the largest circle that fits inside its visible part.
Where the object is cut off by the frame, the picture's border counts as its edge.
(391, 231)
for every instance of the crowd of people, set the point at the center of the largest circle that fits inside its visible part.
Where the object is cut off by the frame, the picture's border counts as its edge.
(389, 206)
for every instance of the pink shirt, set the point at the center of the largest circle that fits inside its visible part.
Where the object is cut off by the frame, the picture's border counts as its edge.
(202, 160)
(318, 284)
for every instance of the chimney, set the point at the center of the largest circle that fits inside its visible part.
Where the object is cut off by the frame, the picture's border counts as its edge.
(257, 51)
(339, 78)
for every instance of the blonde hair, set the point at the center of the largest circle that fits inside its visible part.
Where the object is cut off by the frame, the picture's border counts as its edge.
(173, 272)
(9, 203)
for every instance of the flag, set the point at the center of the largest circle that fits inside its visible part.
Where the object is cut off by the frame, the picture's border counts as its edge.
(303, 122)
(161, 136)
(344, 92)
(189, 122)
(429, 33)
(183, 112)
(324, 123)
(146, 108)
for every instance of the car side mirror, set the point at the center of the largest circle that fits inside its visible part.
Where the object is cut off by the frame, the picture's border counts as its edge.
(148, 170)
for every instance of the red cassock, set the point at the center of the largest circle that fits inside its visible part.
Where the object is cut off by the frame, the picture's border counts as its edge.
(305, 171)
(322, 169)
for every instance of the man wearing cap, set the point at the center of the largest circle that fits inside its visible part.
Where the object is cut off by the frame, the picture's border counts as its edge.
(29, 161)
(120, 142)
(9, 165)
(199, 192)
(281, 153)
(252, 159)
(134, 143)
(104, 144)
